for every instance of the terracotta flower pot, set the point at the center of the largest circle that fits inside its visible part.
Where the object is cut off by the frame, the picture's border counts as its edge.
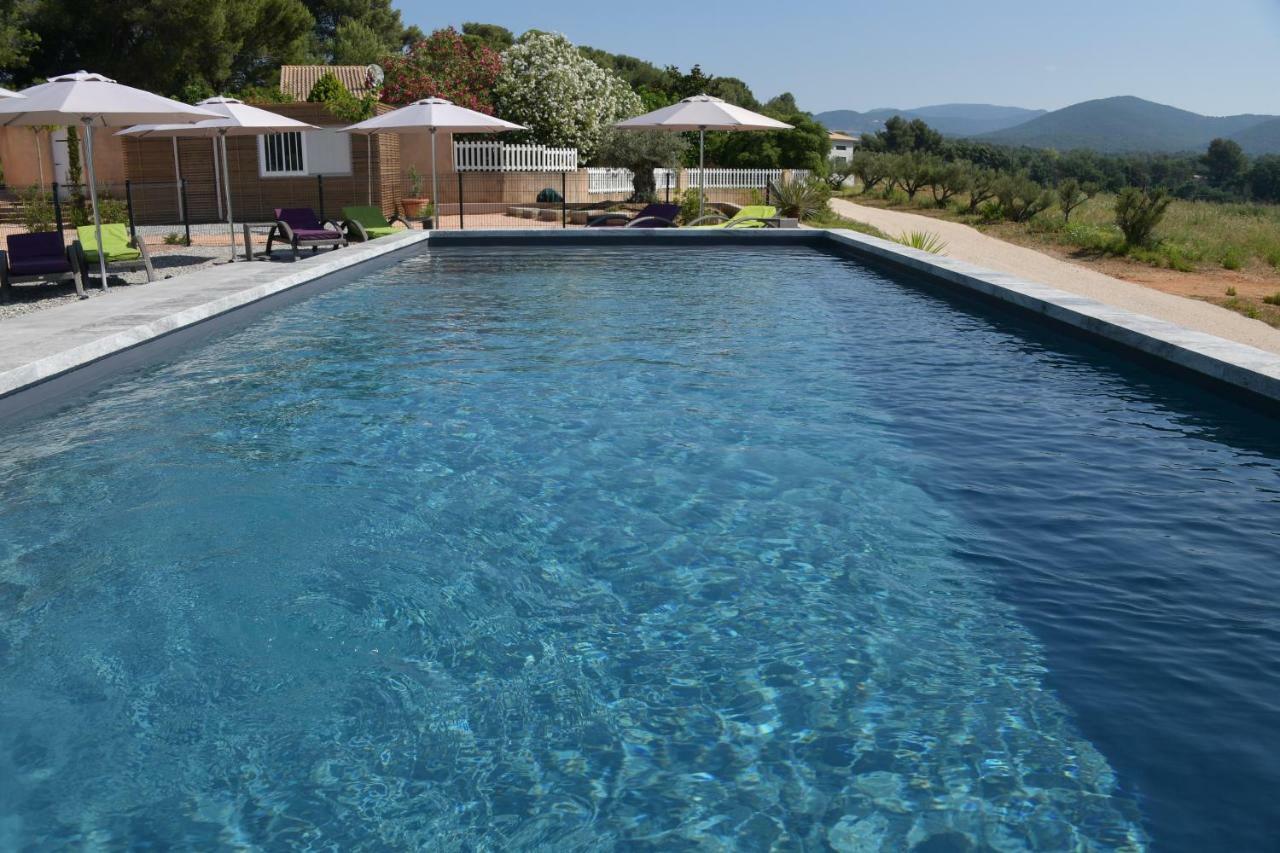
(413, 207)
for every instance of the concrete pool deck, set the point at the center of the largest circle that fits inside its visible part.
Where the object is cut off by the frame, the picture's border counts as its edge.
(62, 341)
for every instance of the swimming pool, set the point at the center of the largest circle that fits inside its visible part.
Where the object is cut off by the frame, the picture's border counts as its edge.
(591, 548)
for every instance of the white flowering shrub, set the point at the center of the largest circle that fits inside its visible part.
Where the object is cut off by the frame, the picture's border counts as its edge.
(564, 98)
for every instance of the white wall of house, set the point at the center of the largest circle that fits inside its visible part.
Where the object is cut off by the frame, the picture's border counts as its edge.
(842, 149)
(320, 152)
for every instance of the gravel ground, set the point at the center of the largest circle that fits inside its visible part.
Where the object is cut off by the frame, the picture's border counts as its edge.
(168, 262)
(968, 244)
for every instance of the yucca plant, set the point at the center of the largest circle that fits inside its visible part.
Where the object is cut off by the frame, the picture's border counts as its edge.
(800, 199)
(925, 241)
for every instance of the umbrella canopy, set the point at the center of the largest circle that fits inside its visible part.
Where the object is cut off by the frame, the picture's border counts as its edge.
(5, 93)
(235, 118)
(93, 100)
(702, 113)
(432, 115)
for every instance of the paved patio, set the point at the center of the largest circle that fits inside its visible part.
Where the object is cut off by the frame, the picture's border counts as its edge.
(46, 343)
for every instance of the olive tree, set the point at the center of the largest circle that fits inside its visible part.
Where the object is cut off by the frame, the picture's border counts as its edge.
(641, 152)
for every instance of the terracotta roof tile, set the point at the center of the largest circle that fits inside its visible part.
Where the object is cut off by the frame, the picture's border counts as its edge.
(297, 81)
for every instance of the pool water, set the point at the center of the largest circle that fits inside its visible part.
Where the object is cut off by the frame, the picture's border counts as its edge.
(586, 549)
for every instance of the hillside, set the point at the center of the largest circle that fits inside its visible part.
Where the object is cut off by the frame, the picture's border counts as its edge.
(1126, 123)
(1261, 138)
(949, 119)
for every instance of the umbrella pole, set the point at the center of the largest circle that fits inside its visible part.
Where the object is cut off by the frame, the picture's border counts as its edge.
(93, 197)
(226, 186)
(177, 177)
(702, 167)
(435, 189)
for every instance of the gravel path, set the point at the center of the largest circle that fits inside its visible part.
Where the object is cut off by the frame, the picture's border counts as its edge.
(968, 244)
(168, 261)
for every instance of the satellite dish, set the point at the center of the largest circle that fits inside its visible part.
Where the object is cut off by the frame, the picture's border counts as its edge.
(375, 76)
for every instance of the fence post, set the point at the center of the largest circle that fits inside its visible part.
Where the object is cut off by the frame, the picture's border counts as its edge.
(128, 202)
(564, 200)
(186, 209)
(57, 207)
(461, 222)
(320, 188)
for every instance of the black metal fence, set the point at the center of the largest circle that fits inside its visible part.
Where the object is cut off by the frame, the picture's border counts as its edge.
(191, 213)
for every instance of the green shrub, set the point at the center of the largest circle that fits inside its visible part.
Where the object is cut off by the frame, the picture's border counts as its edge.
(800, 199)
(1232, 259)
(173, 238)
(990, 212)
(1072, 194)
(1138, 212)
(37, 210)
(689, 206)
(1231, 291)
(110, 209)
(925, 241)
(1020, 197)
(1273, 299)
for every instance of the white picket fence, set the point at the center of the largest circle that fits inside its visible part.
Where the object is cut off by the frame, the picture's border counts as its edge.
(613, 180)
(738, 179)
(501, 157)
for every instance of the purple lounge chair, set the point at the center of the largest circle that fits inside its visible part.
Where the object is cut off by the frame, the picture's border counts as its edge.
(37, 257)
(652, 216)
(298, 226)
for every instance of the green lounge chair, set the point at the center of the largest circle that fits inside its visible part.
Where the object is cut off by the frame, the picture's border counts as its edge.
(362, 224)
(121, 253)
(751, 216)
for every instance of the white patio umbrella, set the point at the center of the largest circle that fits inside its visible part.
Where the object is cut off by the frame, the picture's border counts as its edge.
(433, 114)
(93, 100)
(5, 93)
(235, 118)
(702, 113)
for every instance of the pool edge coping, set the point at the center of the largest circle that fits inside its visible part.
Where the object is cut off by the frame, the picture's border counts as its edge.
(1240, 365)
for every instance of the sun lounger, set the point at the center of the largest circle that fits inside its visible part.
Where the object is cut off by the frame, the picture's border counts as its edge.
(121, 254)
(298, 227)
(652, 216)
(362, 224)
(38, 257)
(751, 216)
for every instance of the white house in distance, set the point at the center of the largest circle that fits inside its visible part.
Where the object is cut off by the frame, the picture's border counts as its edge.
(842, 145)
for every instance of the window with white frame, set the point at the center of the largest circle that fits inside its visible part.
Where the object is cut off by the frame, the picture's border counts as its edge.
(313, 152)
(281, 154)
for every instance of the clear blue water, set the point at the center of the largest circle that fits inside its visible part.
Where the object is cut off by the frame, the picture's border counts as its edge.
(581, 550)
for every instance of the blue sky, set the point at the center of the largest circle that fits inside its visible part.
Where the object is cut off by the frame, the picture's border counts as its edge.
(1212, 56)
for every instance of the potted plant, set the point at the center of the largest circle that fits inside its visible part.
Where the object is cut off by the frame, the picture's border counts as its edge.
(428, 213)
(414, 203)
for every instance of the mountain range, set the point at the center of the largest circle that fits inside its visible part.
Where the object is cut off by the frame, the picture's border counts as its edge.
(950, 119)
(1112, 125)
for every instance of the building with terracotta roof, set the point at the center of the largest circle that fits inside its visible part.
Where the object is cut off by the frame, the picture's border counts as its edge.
(297, 81)
(842, 145)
